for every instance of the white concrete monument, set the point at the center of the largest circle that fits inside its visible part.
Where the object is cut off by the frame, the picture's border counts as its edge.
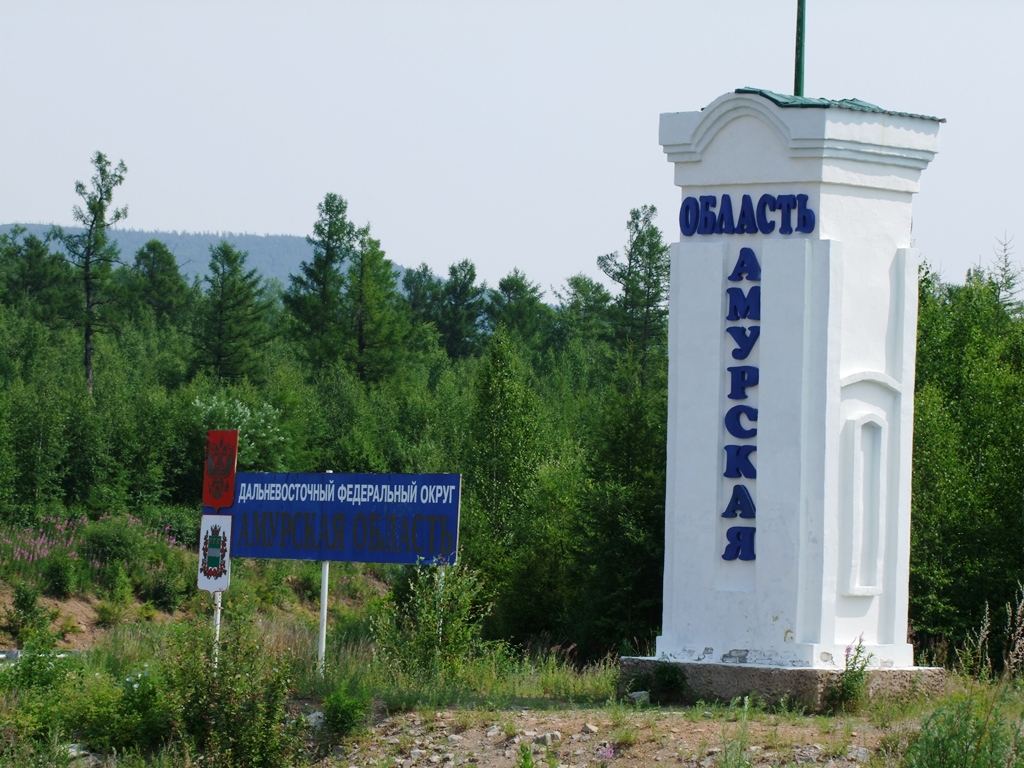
(793, 319)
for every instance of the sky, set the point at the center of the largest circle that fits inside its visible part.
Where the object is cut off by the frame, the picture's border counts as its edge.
(514, 134)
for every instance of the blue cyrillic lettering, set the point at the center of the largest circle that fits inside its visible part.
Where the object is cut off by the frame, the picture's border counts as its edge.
(744, 306)
(747, 266)
(689, 216)
(745, 339)
(740, 543)
(740, 378)
(740, 502)
(738, 463)
(706, 225)
(732, 421)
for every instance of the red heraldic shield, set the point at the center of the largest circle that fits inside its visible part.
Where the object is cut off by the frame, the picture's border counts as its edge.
(219, 469)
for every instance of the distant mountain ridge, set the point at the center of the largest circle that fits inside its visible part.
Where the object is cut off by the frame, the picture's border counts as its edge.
(274, 256)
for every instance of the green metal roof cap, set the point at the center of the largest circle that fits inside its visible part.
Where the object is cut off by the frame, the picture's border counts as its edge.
(805, 102)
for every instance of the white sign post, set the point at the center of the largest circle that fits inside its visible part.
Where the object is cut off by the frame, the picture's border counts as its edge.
(791, 380)
(215, 565)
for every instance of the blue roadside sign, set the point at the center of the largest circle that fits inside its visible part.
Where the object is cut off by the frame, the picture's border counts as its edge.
(354, 518)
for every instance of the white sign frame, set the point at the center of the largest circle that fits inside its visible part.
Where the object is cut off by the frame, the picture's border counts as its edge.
(218, 579)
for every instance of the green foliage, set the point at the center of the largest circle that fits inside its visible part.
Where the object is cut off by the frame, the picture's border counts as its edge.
(461, 311)
(640, 311)
(155, 285)
(25, 618)
(114, 541)
(583, 311)
(92, 253)
(373, 326)
(429, 629)
(846, 691)
(261, 442)
(505, 437)
(38, 283)
(668, 683)
(314, 296)
(235, 713)
(525, 758)
(621, 553)
(518, 305)
(233, 317)
(59, 575)
(345, 713)
(107, 713)
(38, 666)
(972, 729)
(968, 446)
(423, 290)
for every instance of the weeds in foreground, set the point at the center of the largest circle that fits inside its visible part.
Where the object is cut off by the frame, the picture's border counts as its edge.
(525, 759)
(432, 628)
(736, 742)
(971, 729)
(846, 691)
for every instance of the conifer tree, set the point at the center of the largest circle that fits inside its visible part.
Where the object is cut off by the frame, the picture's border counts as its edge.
(518, 305)
(92, 252)
(37, 283)
(373, 322)
(232, 325)
(314, 296)
(156, 282)
(423, 291)
(463, 304)
(640, 311)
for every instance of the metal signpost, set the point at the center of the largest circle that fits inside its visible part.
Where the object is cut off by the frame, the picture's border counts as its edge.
(395, 518)
(215, 534)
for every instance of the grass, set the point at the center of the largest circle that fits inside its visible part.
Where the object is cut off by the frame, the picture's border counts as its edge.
(483, 698)
(485, 686)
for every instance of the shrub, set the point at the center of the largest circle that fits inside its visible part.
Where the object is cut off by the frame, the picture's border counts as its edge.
(89, 709)
(167, 584)
(306, 583)
(25, 615)
(110, 613)
(968, 729)
(668, 683)
(178, 522)
(114, 540)
(845, 692)
(235, 713)
(38, 666)
(434, 628)
(59, 575)
(109, 713)
(344, 713)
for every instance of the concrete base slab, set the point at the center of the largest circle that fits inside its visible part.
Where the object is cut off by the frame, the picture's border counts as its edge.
(803, 685)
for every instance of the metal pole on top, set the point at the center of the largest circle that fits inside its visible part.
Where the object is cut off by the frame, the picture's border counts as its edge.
(321, 645)
(798, 75)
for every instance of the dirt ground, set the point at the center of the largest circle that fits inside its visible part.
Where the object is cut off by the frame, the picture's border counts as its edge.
(617, 737)
(75, 621)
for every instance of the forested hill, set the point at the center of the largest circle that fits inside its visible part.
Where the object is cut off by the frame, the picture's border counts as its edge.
(273, 256)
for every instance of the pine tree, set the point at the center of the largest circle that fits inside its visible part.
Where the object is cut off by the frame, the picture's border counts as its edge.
(314, 296)
(463, 304)
(423, 291)
(157, 283)
(233, 316)
(37, 283)
(373, 322)
(640, 311)
(518, 305)
(92, 252)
